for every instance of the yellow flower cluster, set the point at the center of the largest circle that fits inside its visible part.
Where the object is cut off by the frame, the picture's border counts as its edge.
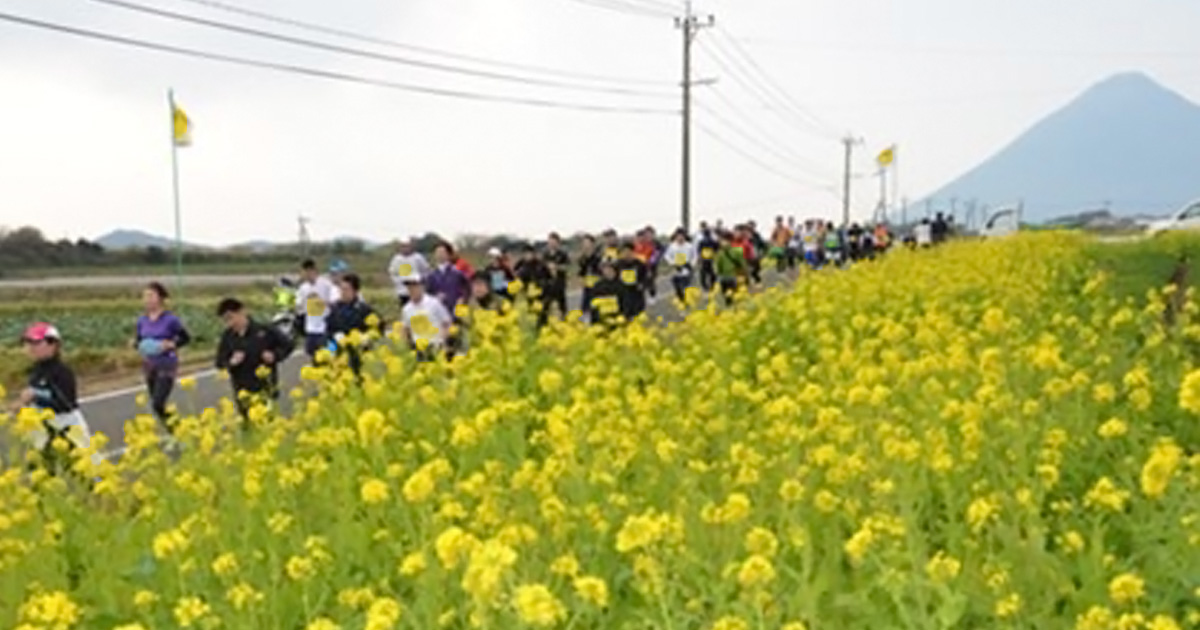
(986, 435)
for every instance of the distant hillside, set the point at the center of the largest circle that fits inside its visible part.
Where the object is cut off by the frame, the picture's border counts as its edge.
(137, 239)
(1127, 144)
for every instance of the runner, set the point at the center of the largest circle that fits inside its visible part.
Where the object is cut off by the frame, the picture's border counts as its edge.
(426, 323)
(645, 250)
(758, 254)
(407, 263)
(589, 272)
(483, 296)
(681, 255)
(812, 244)
(743, 241)
(313, 299)
(498, 274)
(52, 389)
(461, 263)
(447, 282)
(795, 243)
(160, 334)
(534, 276)
(708, 251)
(558, 263)
(780, 237)
(834, 249)
(633, 275)
(731, 267)
(605, 306)
(351, 314)
(612, 246)
(246, 347)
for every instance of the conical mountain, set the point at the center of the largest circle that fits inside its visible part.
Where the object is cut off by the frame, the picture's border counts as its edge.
(1127, 143)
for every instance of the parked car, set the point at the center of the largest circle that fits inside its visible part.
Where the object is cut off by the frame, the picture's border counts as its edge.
(1002, 222)
(1186, 219)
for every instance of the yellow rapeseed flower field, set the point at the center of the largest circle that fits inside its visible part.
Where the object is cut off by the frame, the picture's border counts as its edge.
(979, 436)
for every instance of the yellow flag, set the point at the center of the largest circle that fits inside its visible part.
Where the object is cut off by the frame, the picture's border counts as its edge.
(182, 127)
(888, 156)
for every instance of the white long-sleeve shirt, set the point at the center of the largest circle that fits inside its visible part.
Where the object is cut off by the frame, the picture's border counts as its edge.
(403, 268)
(681, 257)
(314, 299)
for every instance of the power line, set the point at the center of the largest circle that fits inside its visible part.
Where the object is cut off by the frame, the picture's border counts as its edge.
(750, 157)
(783, 156)
(755, 91)
(427, 65)
(763, 134)
(628, 8)
(770, 82)
(326, 74)
(318, 28)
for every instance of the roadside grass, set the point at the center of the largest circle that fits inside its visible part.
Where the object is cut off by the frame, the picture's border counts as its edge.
(1137, 267)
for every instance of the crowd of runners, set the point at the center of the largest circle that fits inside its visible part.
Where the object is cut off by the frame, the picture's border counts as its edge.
(440, 295)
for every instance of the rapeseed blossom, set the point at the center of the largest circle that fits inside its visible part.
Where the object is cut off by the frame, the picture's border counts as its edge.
(992, 429)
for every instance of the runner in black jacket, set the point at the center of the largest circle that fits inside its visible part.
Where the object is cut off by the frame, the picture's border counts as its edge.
(589, 271)
(349, 315)
(246, 347)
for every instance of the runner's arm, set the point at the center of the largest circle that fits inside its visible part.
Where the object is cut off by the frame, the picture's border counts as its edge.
(224, 352)
(281, 345)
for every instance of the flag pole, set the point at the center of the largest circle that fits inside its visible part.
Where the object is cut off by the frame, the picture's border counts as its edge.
(175, 190)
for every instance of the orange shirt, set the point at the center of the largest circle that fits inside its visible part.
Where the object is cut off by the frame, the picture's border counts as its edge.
(644, 250)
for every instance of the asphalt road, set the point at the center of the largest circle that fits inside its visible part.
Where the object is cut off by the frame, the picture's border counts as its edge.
(108, 412)
(200, 280)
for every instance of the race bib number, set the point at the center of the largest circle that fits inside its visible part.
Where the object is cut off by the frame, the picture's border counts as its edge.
(629, 276)
(589, 281)
(706, 254)
(605, 305)
(680, 259)
(421, 326)
(314, 306)
(406, 270)
(611, 252)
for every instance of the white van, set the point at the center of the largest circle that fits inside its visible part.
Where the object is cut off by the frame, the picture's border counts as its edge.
(1186, 219)
(1003, 222)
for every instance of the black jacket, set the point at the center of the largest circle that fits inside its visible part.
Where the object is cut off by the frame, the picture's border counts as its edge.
(605, 301)
(533, 273)
(53, 385)
(345, 317)
(557, 265)
(634, 277)
(589, 267)
(257, 340)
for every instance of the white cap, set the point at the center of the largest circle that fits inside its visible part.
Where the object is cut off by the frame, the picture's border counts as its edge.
(494, 252)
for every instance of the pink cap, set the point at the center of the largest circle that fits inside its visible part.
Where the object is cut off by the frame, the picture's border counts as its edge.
(42, 331)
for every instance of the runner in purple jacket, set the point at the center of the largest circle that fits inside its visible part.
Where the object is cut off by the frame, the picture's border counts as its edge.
(160, 334)
(446, 282)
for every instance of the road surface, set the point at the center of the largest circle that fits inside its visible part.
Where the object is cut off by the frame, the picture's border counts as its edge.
(108, 412)
(93, 282)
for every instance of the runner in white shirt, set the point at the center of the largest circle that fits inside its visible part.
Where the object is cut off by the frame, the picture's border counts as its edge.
(681, 256)
(923, 234)
(812, 244)
(406, 265)
(425, 318)
(313, 298)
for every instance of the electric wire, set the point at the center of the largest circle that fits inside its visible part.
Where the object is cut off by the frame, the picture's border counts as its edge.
(327, 74)
(379, 41)
(417, 63)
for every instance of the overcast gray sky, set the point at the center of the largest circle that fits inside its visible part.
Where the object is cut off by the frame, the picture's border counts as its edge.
(84, 142)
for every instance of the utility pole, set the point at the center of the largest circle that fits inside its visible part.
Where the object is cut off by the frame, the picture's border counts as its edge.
(304, 238)
(690, 24)
(848, 142)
